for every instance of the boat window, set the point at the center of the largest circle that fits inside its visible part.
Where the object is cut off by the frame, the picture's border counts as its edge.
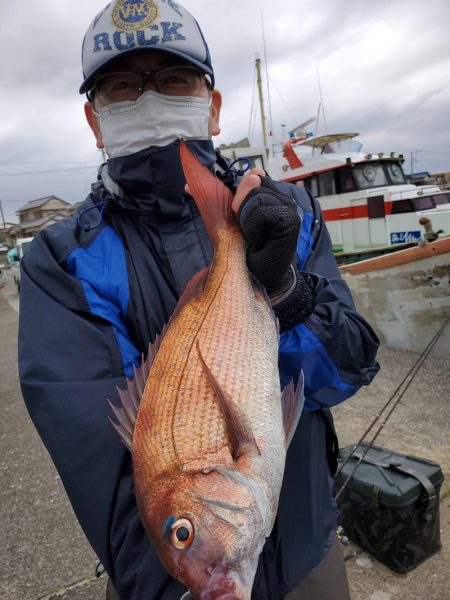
(402, 206)
(423, 202)
(326, 184)
(346, 180)
(311, 184)
(369, 175)
(441, 199)
(396, 173)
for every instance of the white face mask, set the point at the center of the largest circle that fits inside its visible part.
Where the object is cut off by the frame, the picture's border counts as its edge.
(153, 120)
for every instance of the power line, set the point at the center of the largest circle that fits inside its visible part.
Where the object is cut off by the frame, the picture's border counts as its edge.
(48, 172)
(46, 162)
(437, 151)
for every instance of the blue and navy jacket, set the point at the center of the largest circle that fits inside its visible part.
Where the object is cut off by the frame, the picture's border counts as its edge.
(95, 290)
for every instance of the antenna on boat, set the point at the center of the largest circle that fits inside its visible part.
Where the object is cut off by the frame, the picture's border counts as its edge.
(321, 104)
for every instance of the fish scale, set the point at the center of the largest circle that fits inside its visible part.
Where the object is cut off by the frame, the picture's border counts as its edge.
(200, 411)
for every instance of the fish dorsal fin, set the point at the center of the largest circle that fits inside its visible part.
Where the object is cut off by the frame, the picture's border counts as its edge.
(130, 398)
(211, 195)
(292, 401)
(239, 432)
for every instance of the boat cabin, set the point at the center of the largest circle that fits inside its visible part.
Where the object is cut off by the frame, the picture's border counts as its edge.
(365, 198)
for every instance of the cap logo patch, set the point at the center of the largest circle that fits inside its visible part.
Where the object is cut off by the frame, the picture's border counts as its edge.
(129, 15)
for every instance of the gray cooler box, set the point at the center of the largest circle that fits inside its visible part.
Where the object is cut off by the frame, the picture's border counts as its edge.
(390, 506)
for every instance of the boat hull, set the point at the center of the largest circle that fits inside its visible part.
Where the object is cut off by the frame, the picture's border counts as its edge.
(405, 295)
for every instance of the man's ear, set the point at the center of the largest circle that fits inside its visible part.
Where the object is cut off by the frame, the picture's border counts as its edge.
(94, 124)
(216, 104)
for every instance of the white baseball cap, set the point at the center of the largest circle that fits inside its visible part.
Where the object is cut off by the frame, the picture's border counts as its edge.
(127, 26)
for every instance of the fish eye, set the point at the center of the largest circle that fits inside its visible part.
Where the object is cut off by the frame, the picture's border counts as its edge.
(182, 534)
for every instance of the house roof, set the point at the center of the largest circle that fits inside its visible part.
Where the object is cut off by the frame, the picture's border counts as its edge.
(41, 221)
(7, 226)
(421, 175)
(40, 202)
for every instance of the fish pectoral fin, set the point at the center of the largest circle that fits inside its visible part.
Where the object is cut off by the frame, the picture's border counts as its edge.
(292, 401)
(240, 433)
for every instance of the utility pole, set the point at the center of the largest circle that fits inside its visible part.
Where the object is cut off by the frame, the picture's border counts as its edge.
(261, 105)
(3, 216)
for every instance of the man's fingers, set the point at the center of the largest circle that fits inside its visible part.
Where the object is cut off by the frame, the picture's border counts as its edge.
(250, 181)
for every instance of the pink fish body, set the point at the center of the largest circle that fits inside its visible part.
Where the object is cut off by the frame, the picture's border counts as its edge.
(211, 432)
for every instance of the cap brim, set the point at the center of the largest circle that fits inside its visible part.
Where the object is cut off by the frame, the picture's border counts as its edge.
(89, 81)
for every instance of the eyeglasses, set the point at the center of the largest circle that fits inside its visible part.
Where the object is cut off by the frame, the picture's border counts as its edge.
(129, 85)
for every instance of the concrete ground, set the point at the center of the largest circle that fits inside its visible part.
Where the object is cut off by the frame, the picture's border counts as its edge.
(43, 552)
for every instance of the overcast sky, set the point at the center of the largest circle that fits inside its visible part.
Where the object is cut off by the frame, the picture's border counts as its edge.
(383, 68)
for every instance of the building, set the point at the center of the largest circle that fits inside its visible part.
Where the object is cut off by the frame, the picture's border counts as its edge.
(34, 216)
(40, 213)
(426, 178)
(443, 179)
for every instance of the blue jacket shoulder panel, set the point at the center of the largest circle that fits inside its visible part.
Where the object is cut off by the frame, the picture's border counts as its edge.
(102, 270)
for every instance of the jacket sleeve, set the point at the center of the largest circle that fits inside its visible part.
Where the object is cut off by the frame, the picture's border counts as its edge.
(70, 364)
(334, 346)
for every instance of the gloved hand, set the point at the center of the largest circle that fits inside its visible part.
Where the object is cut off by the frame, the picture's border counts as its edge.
(270, 223)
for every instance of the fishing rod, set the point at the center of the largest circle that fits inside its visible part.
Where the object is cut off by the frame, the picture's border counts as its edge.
(411, 374)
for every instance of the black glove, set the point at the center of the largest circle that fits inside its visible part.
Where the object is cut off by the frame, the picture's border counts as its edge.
(270, 222)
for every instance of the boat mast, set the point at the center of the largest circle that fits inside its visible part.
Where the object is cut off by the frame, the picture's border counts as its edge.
(261, 105)
(266, 64)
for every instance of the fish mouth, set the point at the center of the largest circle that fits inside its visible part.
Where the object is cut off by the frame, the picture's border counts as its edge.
(222, 595)
(217, 594)
(225, 589)
(221, 587)
(225, 584)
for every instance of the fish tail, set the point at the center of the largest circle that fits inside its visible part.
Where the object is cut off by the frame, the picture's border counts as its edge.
(211, 196)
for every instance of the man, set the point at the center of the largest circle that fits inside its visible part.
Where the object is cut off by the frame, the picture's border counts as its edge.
(97, 289)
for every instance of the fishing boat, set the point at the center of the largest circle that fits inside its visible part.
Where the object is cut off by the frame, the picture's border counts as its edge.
(390, 237)
(366, 199)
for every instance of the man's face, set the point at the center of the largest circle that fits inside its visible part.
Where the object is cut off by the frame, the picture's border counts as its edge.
(150, 62)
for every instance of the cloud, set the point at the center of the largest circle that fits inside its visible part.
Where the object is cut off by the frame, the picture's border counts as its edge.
(383, 69)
